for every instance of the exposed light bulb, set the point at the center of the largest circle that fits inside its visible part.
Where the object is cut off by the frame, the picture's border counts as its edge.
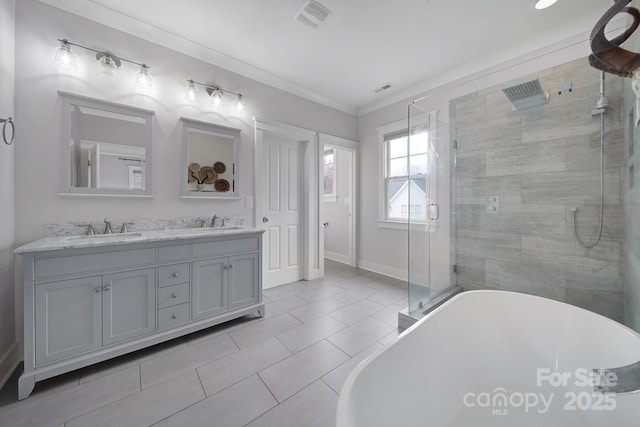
(240, 104)
(107, 66)
(191, 92)
(543, 4)
(143, 78)
(64, 56)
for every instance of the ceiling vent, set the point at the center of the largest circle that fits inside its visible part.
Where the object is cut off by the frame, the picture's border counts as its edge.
(312, 14)
(382, 88)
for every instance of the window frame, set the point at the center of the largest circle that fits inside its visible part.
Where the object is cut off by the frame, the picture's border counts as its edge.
(384, 133)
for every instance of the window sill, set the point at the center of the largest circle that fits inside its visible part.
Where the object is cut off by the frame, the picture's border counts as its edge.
(403, 225)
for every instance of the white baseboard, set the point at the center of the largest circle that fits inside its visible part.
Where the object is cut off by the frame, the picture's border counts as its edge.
(8, 363)
(396, 273)
(335, 256)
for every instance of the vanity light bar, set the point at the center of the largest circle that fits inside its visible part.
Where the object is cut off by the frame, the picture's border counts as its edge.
(215, 92)
(107, 61)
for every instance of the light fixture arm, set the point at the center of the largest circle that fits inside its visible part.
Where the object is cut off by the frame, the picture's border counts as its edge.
(100, 53)
(212, 88)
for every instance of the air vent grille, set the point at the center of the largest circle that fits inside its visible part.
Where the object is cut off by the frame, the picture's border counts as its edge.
(382, 88)
(312, 14)
(526, 94)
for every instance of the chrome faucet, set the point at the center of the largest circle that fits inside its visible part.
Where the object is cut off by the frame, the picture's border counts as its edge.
(107, 226)
(124, 228)
(90, 230)
(222, 224)
(213, 221)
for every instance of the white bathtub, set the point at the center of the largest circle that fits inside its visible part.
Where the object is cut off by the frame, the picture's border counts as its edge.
(478, 358)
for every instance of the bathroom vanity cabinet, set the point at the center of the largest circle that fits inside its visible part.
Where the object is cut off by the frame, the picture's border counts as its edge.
(86, 305)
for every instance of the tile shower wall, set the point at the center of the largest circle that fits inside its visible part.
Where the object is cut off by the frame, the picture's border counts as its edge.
(540, 163)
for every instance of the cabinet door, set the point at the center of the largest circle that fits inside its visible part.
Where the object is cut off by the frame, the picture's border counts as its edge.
(209, 287)
(68, 318)
(129, 305)
(243, 280)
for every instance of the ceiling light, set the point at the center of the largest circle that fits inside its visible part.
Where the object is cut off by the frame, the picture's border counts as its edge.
(64, 56)
(543, 4)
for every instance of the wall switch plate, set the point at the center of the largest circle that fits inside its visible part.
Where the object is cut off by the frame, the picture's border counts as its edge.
(248, 202)
(492, 205)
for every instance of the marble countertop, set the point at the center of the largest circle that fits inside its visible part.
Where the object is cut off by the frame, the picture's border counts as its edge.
(74, 242)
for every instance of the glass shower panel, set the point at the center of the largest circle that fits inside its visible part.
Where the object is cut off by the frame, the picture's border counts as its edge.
(430, 245)
(418, 190)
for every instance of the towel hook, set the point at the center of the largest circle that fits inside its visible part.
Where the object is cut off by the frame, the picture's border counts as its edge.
(4, 122)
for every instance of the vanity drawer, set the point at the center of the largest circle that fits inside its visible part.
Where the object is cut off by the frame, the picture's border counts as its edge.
(46, 267)
(173, 253)
(173, 295)
(173, 274)
(170, 317)
(225, 247)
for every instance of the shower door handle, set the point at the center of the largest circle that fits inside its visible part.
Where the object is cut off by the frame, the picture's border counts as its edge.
(434, 211)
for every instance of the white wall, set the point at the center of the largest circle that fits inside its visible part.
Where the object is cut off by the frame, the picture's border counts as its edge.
(336, 213)
(38, 108)
(8, 355)
(385, 250)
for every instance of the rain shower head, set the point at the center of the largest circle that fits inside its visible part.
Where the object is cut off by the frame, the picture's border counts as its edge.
(526, 94)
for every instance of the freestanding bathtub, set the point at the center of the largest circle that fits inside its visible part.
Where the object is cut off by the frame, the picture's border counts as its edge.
(494, 358)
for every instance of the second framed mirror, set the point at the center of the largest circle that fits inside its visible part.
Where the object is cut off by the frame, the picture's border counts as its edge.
(210, 160)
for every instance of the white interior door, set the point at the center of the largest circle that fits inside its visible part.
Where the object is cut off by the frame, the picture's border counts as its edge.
(282, 180)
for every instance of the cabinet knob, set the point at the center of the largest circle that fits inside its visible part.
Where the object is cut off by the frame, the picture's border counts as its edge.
(97, 290)
(174, 295)
(174, 316)
(230, 265)
(107, 288)
(174, 275)
(226, 267)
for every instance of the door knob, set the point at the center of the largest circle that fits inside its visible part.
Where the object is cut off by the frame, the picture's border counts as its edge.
(265, 219)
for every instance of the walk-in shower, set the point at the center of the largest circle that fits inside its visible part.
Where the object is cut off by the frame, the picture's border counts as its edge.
(537, 204)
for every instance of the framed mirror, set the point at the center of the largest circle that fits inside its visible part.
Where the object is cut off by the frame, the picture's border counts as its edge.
(210, 160)
(106, 148)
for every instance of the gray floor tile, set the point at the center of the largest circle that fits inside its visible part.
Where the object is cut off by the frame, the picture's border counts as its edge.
(315, 406)
(223, 328)
(390, 296)
(389, 315)
(228, 370)
(283, 305)
(180, 361)
(108, 367)
(284, 291)
(336, 378)
(324, 291)
(233, 406)
(317, 309)
(264, 329)
(357, 311)
(291, 375)
(59, 407)
(356, 338)
(355, 294)
(303, 336)
(146, 407)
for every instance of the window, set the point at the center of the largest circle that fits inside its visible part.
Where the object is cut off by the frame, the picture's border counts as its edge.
(404, 172)
(330, 193)
(406, 175)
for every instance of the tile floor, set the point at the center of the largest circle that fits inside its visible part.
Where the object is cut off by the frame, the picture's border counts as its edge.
(284, 370)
